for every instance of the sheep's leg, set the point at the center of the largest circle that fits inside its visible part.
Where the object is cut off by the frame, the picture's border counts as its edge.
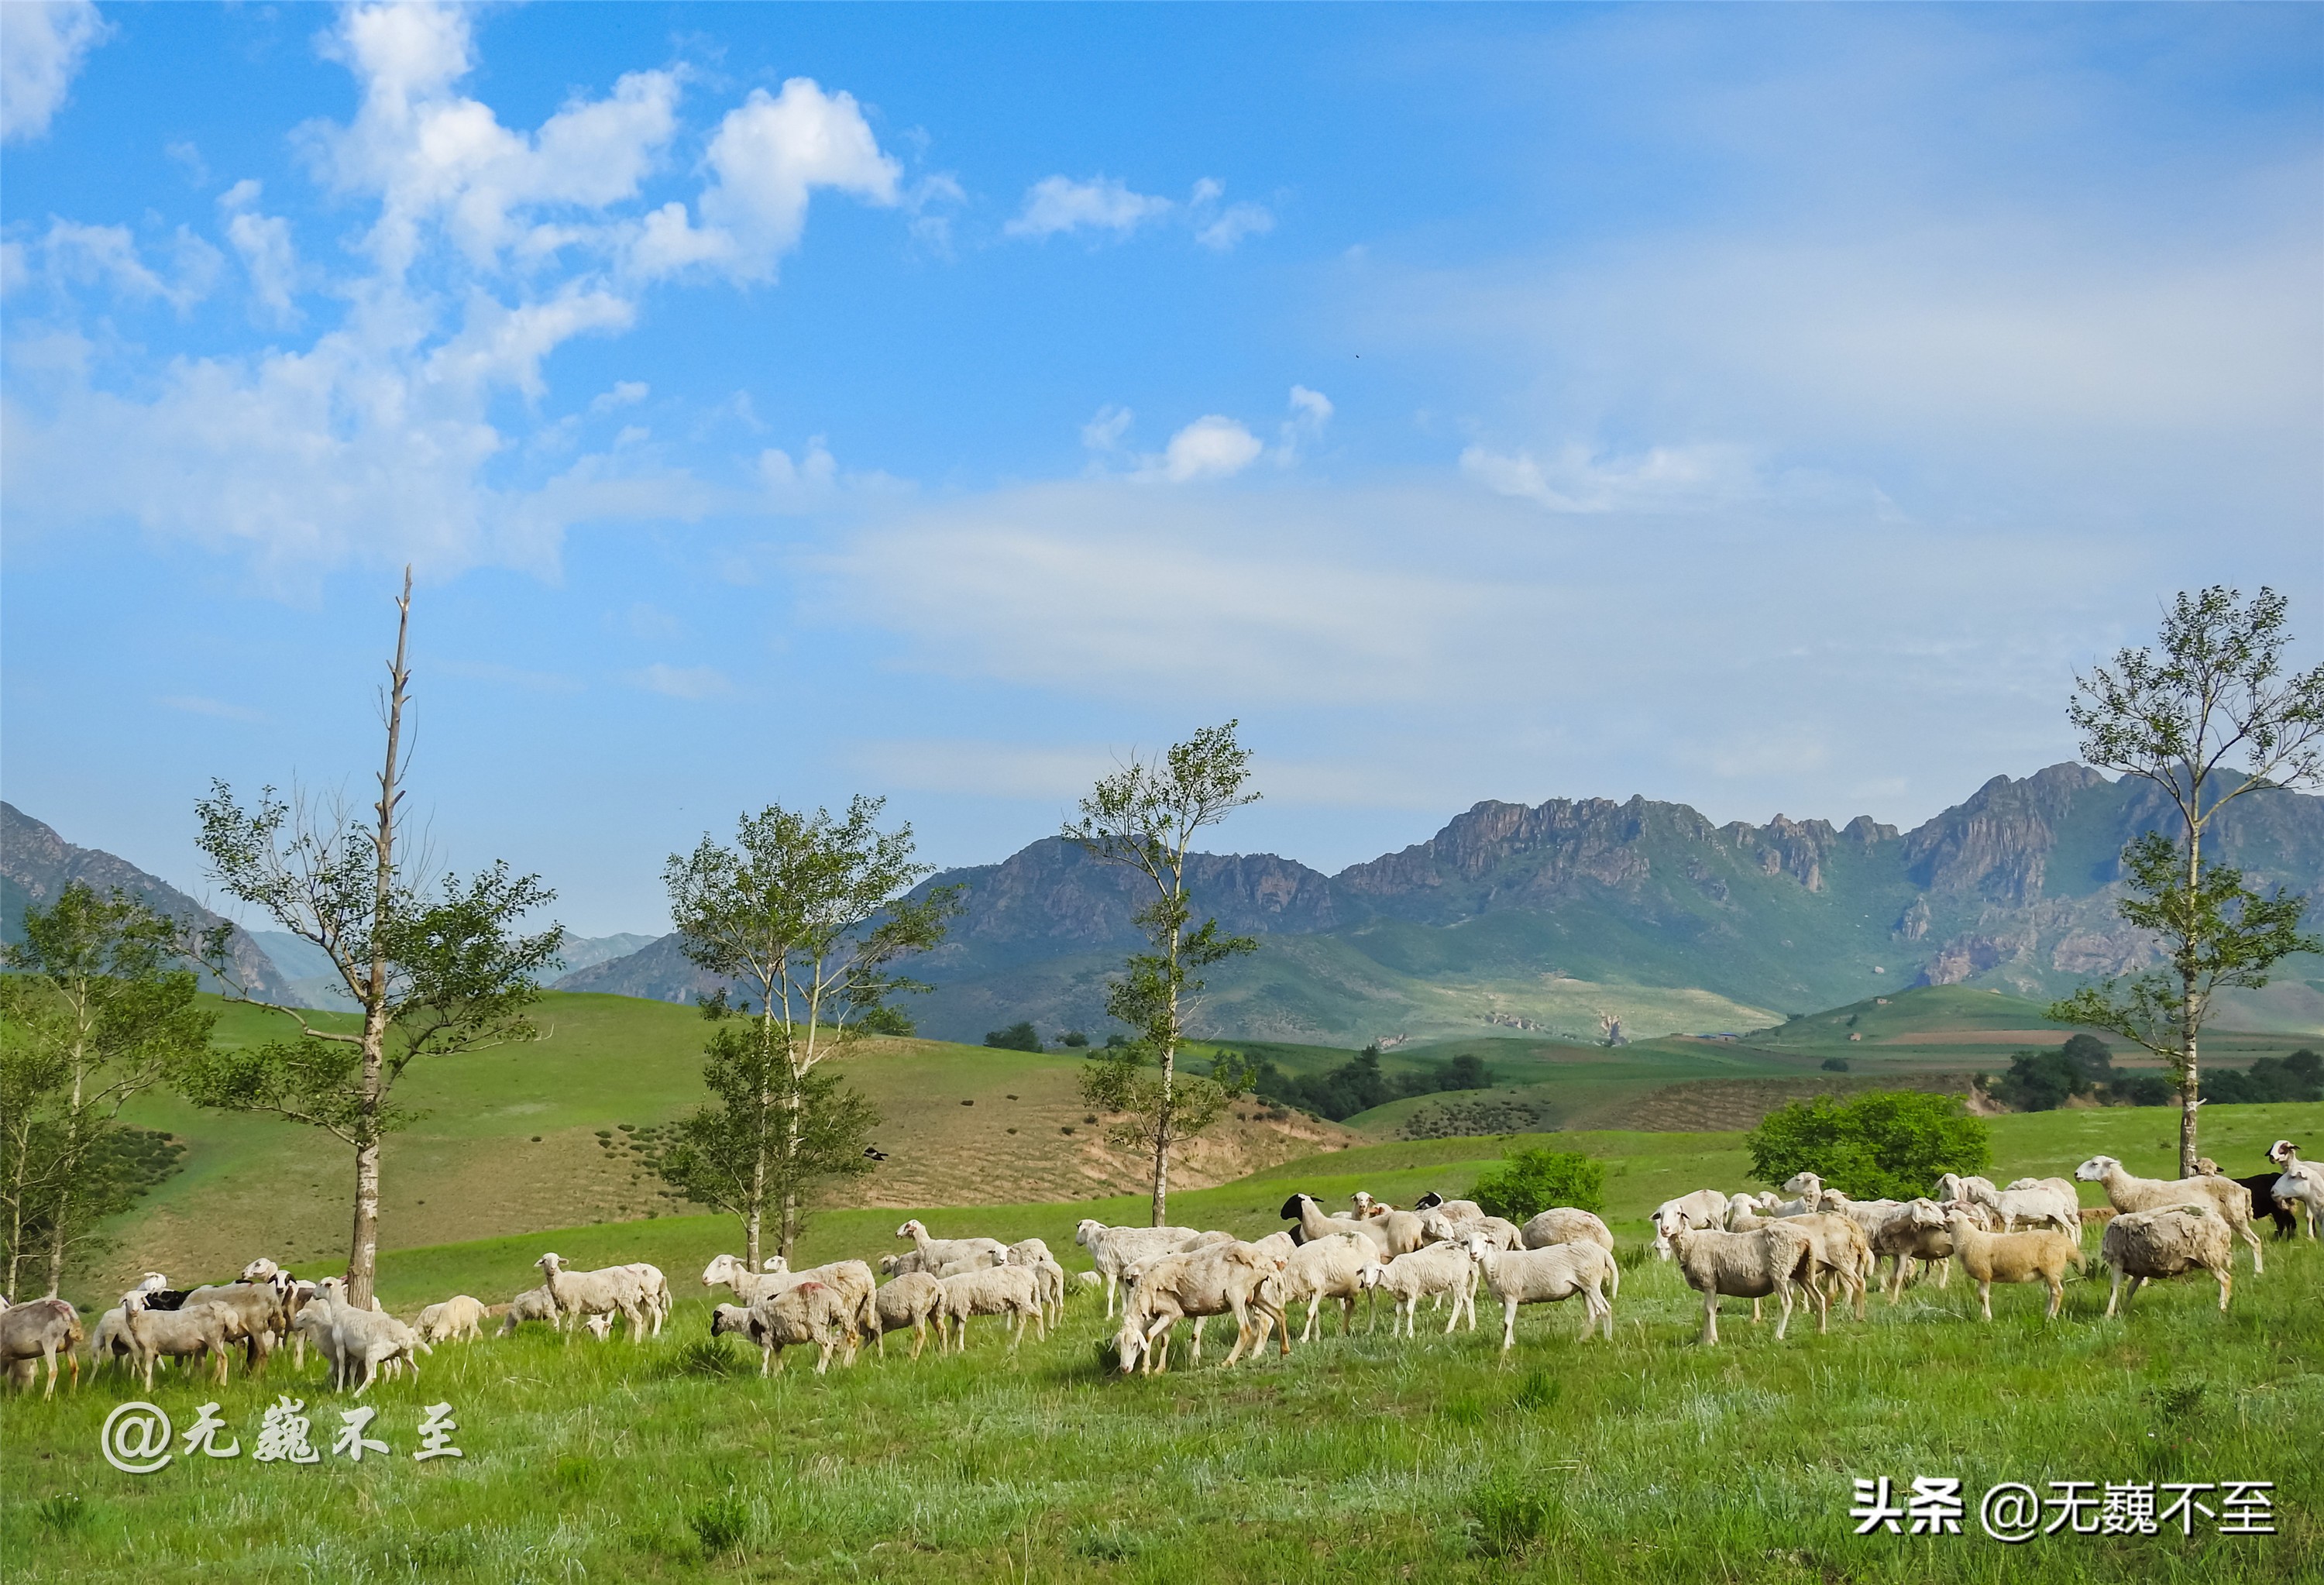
(2226, 1273)
(2114, 1295)
(1754, 1312)
(1710, 1318)
(1824, 1309)
(1605, 1313)
(1314, 1308)
(2057, 1295)
(1283, 1322)
(2251, 1236)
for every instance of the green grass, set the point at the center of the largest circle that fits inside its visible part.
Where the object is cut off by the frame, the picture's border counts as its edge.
(1654, 1459)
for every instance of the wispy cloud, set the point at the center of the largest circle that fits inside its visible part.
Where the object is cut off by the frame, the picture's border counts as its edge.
(194, 704)
(42, 43)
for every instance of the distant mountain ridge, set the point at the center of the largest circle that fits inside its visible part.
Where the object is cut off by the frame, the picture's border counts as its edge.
(1518, 915)
(36, 865)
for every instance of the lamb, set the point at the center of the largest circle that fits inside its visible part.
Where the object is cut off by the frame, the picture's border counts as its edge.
(594, 1293)
(190, 1332)
(2038, 1255)
(913, 1260)
(1704, 1208)
(368, 1339)
(805, 1312)
(2038, 1201)
(1231, 1279)
(1327, 1268)
(935, 1252)
(1438, 1268)
(532, 1305)
(1115, 1249)
(109, 1344)
(313, 1324)
(1774, 1259)
(1308, 1213)
(1013, 1291)
(1953, 1185)
(1367, 1206)
(41, 1330)
(457, 1317)
(1544, 1275)
(2230, 1199)
(2143, 1245)
(911, 1300)
(1843, 1249)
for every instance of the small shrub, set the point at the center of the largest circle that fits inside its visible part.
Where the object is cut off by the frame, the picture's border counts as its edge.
(1507, 1513)
(1064, 1128)
(1018, 1036)
(62, 1515)
(1886, 1144)
(705, 1356)
(1532, 1181)
(1110, 1546)
(720, 1524)
(1835, 1064)
(2144, 1090)
(1541, 1390)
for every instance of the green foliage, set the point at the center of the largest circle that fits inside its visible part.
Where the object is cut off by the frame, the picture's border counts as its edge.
(2296, 1077)
(98, 1010)
(1889, 1144)
(888, 1020)
(1355, 1085)
(1123, 1082)
(1510, 1512)
(2041, 1081)
(1534, 1181)
(2141, 1089)
(1018, 1036)
(723, 1524)
(1073, 1040)
(1835, 1064)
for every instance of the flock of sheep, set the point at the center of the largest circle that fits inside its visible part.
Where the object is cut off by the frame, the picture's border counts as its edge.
(1809, 1248)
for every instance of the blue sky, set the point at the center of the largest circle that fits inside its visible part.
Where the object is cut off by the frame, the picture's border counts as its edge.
(1764, 408)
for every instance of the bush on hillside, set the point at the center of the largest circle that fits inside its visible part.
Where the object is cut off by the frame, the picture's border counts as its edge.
(1018, 1036)
(1835, 1064)
(1074, 1039)
(2141, 1089)
(1355, 1085)
(2296, 1077)
(1889, 1144)
(887, 1020)
(1533, 1180)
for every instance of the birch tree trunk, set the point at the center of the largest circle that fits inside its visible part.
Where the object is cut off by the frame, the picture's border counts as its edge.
(2189, 1078)
(362, 1254)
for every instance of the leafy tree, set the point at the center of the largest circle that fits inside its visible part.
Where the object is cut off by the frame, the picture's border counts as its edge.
(1145, 818)
(2090, 1057)
(1534, 1181)
(1835, 1064)
(100, 1009)
(2296, 1077)
(811, 911)
(729, 1155)
(1890, 1144)
(433, 971)
(2217, 690)
(1151, 1110)
(1355, 1085)
(1018, 1036)
(2141, 1089)
(888, 1020)
(2041, 1081)
(1073, 1040)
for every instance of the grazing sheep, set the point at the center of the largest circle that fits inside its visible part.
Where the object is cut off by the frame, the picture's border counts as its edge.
(805, 1312)
(1915, 1235)
(852, 1281)
(2038, 1255)
(1545, 1275)
(1327, 1268)
(595, 1292)
(2145, 1245)
(457, 1317)
(653, 1292)
(1774, 1260)
(2261, 1186)
(532, 1305)
(1437, 1269)
(1231, 1279)
(1703, 1208)
(1115, 1249)
(1035, 1253)
(736, 1274)
(911, 1300)
(2230, 1199)
(1011, 1291)
(368, 1339)
(1457, 1210)
(109, 1343)
(2301, 1186)
(190, 1332)
(313, 1325)
(262, 1308)
(936, 1252)
(41, 1328)
(1308, 1213)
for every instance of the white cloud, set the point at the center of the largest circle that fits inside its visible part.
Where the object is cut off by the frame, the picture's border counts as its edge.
(769, 156)
(683, 682)
(1220, 230)
(1310, 411)
(269, 256)
(79, 255)
(1102, 434)
(42, 43)
(793, 483)
(1211, 448)
(624, 394)
(1058, 204)
(1665, 478)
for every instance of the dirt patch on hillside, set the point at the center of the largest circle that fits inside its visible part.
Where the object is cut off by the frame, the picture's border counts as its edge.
(1976, 1037)
(1702, 1106)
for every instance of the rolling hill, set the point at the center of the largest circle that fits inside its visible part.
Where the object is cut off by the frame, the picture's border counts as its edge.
(1541, 919)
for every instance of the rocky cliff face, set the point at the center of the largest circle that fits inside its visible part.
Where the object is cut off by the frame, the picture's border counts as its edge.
(2014, 887)
(36, 865)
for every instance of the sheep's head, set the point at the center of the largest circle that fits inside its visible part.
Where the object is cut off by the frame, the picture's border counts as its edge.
(1087, 1229)
(912, 1229)
(153, 1281)
(1668, 1223)
(1371, 1275)
(1924, 1214)
(774, 1263)
(1361, 1201)
(1296, 1207)
(1428, 1202)
(259, 1270)
(1129, 1344)
(2283, 1152)
(2096, 1168)
(730, 1318)
(888, 1263)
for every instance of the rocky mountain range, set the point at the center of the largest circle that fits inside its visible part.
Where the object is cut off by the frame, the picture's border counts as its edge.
(36, 865)
(1548, 916)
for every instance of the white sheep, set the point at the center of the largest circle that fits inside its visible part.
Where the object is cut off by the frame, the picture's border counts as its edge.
(368, 1339)
(455, 1317)
(1308, 1213)
(1034, 1253)
(44, 1330)
(937, 1252)
(2145, 1245)
(748, 1285)
(1703, 1208)
(2229, 1198)
(1457, 1210)
(532, 1305)
(1774, 1260)
(1327, 1268)
(1229, 1279)
(911, 1300)
(2301, 1185)
(261, 1310)
(653, 1292)
(1113, 1250)
(1915, 1236)
(1010, 1291)
(852, 1281)
(596, 1292)
(1435, 1268)
(1543, 1277)
(807, 1312)
(1953, 1185)
(190, 1332)
(2038, 1255)
(2038, 1201)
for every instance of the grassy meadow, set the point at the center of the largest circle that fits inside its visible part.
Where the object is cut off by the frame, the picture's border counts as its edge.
(1651, 1459)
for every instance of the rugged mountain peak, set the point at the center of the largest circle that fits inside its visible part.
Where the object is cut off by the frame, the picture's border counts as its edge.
(1997, 841)
(38, 864)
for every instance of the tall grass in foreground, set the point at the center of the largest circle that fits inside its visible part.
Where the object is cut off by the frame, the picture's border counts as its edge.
(1653, 1459)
